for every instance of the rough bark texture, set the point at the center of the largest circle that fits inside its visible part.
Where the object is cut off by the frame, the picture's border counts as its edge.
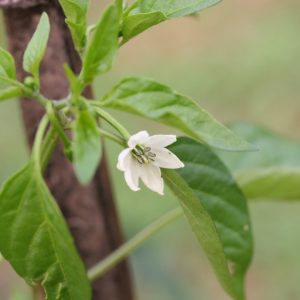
(89, 211)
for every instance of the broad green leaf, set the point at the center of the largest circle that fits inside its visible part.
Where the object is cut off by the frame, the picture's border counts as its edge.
(35, 239)
(146, 13)
(103, 45)
(37, 46)
(158, 102)
(10, 92)
(279, 183)
(273, 172)
(75, 12)
(7, 64)
(217, 211)
(86, 147)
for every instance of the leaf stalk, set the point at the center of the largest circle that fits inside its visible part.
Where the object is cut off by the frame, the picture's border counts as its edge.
(126, 249)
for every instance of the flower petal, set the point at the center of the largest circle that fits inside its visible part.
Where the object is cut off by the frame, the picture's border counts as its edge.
(138, 138)
(124, 159)
(132, 174)
(151, 176)
(166, 159)
(160, 141)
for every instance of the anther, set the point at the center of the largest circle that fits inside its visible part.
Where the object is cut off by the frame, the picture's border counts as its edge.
(140, 160)
(151, 154)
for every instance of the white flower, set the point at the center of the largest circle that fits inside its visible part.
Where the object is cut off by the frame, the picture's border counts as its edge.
(144, 158)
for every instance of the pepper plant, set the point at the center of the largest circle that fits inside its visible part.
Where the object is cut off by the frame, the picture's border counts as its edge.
(34, 238)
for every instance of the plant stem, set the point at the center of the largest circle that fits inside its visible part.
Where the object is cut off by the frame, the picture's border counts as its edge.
(1, 259)
(112, 137)
(43, 147)
(48, 147)
(125, 250)
(41, 99)
(112, 121)
(57, 125)
(37, 146)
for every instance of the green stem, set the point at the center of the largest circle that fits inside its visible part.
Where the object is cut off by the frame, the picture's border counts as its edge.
(37, 146)
(1, 259)
(63, 103)
(43, 147)
(112, 121)
(125, 250)
(57, 125)
(48, 147)
(90, 29)
(41, 99)
(112, 137)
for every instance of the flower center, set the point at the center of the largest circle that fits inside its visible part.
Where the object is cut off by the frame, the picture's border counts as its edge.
(143, 154)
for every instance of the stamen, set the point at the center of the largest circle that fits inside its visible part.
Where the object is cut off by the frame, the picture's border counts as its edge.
(143, 155)
(140, 160)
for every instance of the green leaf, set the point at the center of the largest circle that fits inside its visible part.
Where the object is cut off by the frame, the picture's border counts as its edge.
(7, 64)
(273, 172)
(75, 12)
(175, 8)
(158, 102)
(37, 46)
(103, 45)
(10, 92)
(35, 239)
(277, 183)
(7, 74)
(217, 211)
(75, 84)
(146, 13)
(87, 146)
(119, 5)
(136, 24)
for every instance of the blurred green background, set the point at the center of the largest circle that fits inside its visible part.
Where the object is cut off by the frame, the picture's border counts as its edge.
(240, 60)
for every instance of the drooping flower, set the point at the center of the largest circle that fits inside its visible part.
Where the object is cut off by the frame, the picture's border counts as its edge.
(144, 158)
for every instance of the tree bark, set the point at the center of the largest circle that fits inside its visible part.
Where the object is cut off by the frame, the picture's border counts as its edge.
(89, 210)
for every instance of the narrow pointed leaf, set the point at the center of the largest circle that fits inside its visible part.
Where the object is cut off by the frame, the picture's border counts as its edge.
(217, 211)
(86, 147)
(273, 172)
(103, 45)
(35, 239)
(158, 102)
(75, 12)
(37, 46)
